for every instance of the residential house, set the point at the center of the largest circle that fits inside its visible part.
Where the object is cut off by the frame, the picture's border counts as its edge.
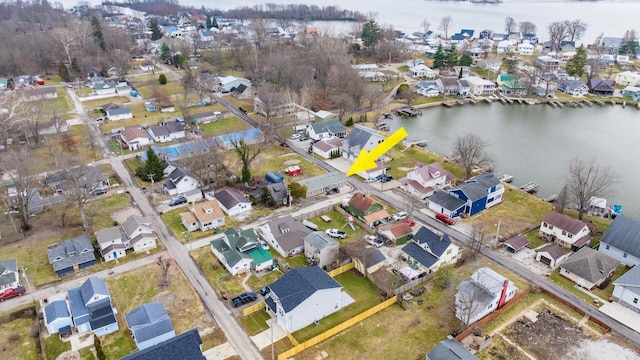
(91, 307)
(167, 108)
(632, 92)
(57, 316)
(373, 173)
(230, 83)
(232, 201)
(479, 86)
(573, 87)
(360, 138)
(180, 181)
(485, 292)
(147, 66)
(625, 78)
(622, 240)
(320, 184)
(398, 232)
(104, 88)
(361, 205)
(449, 86)
(427, 88)
(273, 194)
(510, 85)
(327, 130)
(327, 148)
(526, 48)
(564, 231)
(303, 296)
(551, 255)
(187, 345)
(110, 243)
(424, 180)
(138, 234)
(479, 192)
(324, 115)
(206, 35)
(489, 64)
(133, 138)
(39, 93)
(149, 325)
(548, 63)
(320, 249)
(427, 251)
(115, 111)
(203, 216)
(376, 218)
(588, 267)
(168, 132)
(626, 289)
(86, 177)
(505, 46)
(611, 44)
(9, 275)
(3, 83)
(515, 243)
(422, 71)
(239, 251)
(71, 255)
(446, 203)
(450, 349)
(285, 235)
(366, 259)
(530, 37)
(601, 87)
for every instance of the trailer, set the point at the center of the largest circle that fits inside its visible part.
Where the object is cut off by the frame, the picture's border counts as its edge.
(293, 170)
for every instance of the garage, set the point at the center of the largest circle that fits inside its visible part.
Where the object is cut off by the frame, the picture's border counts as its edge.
(545, 260)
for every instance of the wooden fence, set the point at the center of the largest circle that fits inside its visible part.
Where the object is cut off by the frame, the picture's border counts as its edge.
(341, 269)
(604, 326)
(253, 308)
(336, 329)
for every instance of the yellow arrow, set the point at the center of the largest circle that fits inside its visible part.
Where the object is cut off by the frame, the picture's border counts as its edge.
(367, 160)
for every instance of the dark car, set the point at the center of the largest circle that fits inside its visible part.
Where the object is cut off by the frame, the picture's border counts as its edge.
(99, 191)
(265, 290)
(178, 200)
(243, 299)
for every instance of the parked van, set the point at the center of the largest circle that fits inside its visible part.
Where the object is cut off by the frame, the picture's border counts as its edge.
(310, 225)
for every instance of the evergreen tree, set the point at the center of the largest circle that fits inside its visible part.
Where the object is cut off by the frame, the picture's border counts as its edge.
(576, 65)
(212, 22)
(162, 79)
(466, 60)
(156, 33)
(451, 56)
(370, 33)
(165, 52)
(97, 33)
(152, 168)
(510, 63)
(438, 58)
(75, 66)
(180, 61)
(63, 71)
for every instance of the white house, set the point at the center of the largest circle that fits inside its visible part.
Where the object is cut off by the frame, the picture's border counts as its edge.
(360, 138)
(110, 243)
(622, 240)
(203, 216)
(321, 249)
(133, 138)
(239, 251)
(105, 88)
(303, 296)
(138, 234)
(147, 66)
(327, 148)
(626, 289)
(526, 48)
(505, 46)
(424, 180)
(628, 78)
(9, 277)
(232, 201)
(551, 255)
(427, 88)
(564, 230)
(484, 293)
(422, 71)
(479, 86)
(427, 251)
(119, 113)
(327, 130)
(230, 83)
(285, 235)
(168, 132)
(180, 181)
(149, 325)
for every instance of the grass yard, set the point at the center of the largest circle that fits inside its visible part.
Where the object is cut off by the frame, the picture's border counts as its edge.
(608, 290)
(58, 105)
(17, 344)
(223, 126)
(408, 159)
(570, 286)
(174, 222)
(140, 286)
(96, 104)
(54, 346)
(255, 323)
(258, 282)
(534, 240)
(218, 276)
(421, 100)
(338, 221)
(108, 205)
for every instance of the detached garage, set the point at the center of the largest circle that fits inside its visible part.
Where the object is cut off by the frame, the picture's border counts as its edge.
(551, 255)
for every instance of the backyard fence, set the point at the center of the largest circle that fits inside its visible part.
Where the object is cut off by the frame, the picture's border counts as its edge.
(336, 329)
(314, 213)
(341, 269)
(411, 284)
(254, 308)
(604, 326)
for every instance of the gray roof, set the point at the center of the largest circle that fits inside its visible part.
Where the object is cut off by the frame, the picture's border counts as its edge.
(10, 265)
(624, 234)
(320, 240)
(476, 187)
(446, 200)
(56, 310)
(230, 197)
(71, 252)
(517, 242)
(450, 349)
(299, 284)
(554, 250)
(419, 254)
(91, 287)
(183, 346)
(108, 235)
(289, 233)
(148, 321)
(564, 222)
(178, 173)
(278, 191)
(437, 244)
(158, 131)
(331, 127)
(118, 111)
(590, 264)
(359, 136)
(323, 181)
(630, 280)
(134, 222)
(174, 127)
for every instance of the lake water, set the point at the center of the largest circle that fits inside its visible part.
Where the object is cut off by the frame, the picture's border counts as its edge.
(536, 142)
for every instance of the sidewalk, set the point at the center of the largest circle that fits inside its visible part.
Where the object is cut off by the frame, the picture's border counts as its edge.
(625, 316)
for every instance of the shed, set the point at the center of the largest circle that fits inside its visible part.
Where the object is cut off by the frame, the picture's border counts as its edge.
(516, 243)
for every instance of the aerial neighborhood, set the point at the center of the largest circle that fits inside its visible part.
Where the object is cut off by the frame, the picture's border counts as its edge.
(174, 186)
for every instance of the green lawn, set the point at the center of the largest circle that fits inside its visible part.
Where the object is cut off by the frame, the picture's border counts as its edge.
(17, 342)
(534, 240)
(174, 222)
(54, 346)
(338, 221)
(255, 323)
(217, 275)
(570, 286)
(224, 126)
(98, 209)
(120, 343)
(97, 104)
(408, 159)
(421, 100)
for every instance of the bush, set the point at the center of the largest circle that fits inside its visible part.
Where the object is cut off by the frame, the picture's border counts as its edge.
(162, 79)
(13, 337)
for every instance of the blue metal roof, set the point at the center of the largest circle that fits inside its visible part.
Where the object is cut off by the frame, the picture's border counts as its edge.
(56, 310)
(183, 346)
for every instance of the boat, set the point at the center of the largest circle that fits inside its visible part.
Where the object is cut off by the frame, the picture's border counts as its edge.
(506, 178)
(530, 187)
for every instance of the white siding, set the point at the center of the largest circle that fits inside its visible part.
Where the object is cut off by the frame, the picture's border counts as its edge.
(628, 297)
(317, 306)
(619, 255)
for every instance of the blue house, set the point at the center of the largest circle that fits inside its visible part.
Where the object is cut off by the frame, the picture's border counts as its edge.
(479, 193)
(72, 255)
(184, 346)
(57, 316)
(427, 250)
(149, 325)
(91, 307)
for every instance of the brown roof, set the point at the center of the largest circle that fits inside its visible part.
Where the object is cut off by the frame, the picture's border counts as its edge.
(207, 211)
(132, 133)
(554, 250)
(188, 217)
(400, 229)
(564, 222)
(381, 214)
(361, 202)
(517, 242)
(431, 171)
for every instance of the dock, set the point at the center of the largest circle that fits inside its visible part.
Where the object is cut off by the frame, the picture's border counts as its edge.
(550, 198)
(530, 187)
(407, 111)
(506, 178)
(448, 103)
(598, 102)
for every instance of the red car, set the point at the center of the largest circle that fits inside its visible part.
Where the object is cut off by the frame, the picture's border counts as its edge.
(410, 222)
(445, 219)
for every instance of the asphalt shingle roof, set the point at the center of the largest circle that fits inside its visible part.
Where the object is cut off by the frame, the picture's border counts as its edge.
(590, 264)
(446, 200)
(436, 244)
(320, 240)
(299, 284)
(450, 349)
(71, 252)
(12, 266)
(564, 222)
(289, 233)
(630, 280)
(331, 126)
(323, 181)
(148, 321)
(624, 234)
(230, 197)
(183, 346)
(419, 254)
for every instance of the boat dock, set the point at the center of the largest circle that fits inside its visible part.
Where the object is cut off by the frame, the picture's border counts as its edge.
(448, 103)
(506, 178)
(550, 198)
(598, 102)
(407, 111)
(408, 145)
(530, 187)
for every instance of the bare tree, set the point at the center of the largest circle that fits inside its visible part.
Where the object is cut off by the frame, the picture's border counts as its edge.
(477, 240)
(21, 168)
(247, 155)
(471, 150)
(563, 199)
(445, 24)
(586, 179)
(425, 26)
(558, 32)
(468, 299)
(259, 27)
(509, 25)
(10, 113)
(527, 27)
(81, 180)
(200, 164)
(67, 40)
(165, 265)
(575, 29)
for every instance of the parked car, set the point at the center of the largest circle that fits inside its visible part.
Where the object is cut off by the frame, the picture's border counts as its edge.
(336, 233)
(12, 292)
(243, 299)
(295, 136)
(410, 222)
(177, 200)
(445, 219)
(384, 178)
(264, 245)
(98, 191)
(370, 180)
(265, 290)
(400, 216)
(373, 240)
(303, 138)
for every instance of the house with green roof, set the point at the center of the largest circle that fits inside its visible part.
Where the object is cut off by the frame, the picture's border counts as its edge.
(3, 83)
(327, 129)
(240, 251)
(510, 85)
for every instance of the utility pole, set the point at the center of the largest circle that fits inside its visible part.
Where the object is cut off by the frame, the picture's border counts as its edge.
(150, 176)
